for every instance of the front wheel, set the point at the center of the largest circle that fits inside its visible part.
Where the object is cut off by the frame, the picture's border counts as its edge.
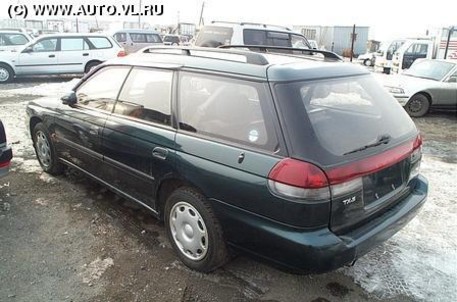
(45, 151)
(367, 62)
(194, 231)
(418, 105)
(6, 74)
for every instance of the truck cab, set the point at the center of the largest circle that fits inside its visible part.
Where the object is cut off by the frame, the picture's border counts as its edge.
(383, 60)
(411, 50)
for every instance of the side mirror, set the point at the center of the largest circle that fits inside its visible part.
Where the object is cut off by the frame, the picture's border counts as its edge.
(69, 99)
(28, 49)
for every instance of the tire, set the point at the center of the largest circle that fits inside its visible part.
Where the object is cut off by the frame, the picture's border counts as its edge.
(418, 105)
(45, 150)
(91, 65)
(194, 231)
(367, 62)
(386, 70)
(6, 74)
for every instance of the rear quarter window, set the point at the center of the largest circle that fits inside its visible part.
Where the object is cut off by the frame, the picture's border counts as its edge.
(214, 36)
(100, 42)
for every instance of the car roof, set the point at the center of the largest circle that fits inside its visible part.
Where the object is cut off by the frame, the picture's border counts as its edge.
(60, 35)
(136, 31)
(278, 67)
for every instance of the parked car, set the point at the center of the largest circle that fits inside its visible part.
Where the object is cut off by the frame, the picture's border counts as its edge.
(6, 154)
(367, 59)
(12, 41)
(58, 54)
(245, 33)
(171, 40)
(135, 39)
(305, 162)
(427, 84)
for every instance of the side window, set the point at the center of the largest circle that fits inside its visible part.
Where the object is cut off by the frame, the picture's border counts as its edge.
(120, 37)
(100, 42)
(453, 77)
(2, 40)
(254, 37)
(101, 89)
(138, 38)
(45, 45)
(153, 38)
(226, 109)
(68, 44)
(15, 39)
(146, 95)
(298, 42)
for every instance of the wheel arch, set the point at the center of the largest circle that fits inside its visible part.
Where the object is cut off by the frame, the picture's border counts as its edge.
(91, 62)
(168, 186)
(34, 120)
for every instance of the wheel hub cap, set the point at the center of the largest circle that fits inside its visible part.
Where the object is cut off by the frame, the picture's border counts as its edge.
(188, 231)
(4, 74)
(43, 149)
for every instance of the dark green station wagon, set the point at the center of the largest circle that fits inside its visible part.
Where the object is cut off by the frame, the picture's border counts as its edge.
(299, 159)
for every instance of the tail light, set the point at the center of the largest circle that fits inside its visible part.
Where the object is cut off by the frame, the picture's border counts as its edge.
(303, 181)
(5, 164)
(121, 53)
(298, 180)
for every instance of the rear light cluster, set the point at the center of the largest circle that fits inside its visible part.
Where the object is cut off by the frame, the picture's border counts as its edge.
(121, 53)
(5, 164)
(302, 181)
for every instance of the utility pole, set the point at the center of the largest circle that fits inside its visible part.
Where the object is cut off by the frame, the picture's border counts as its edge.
(451, 30)
(139, 16)
(200, 22)
(353, 38)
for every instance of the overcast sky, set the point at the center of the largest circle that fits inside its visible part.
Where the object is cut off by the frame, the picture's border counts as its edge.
(387, 19)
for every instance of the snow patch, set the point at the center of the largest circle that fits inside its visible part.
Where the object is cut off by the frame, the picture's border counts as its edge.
(421, 260)
(45, 89)
(94, 270)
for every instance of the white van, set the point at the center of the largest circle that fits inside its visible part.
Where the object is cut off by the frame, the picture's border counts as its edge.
(135, 39)
(245, 33)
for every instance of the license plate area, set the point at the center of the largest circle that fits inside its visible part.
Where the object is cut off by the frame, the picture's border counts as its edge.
(378, 185)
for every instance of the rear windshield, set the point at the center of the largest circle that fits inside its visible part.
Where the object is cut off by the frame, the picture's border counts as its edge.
(214, 36)
(343, 114)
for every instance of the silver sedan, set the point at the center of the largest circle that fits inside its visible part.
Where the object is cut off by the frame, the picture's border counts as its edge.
(426, 84)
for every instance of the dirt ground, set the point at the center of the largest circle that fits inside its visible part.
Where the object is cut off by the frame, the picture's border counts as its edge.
(67, 238)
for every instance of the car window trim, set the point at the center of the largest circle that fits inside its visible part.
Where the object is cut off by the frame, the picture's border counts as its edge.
(270, 106)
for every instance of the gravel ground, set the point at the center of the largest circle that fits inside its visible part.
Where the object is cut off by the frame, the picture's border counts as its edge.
(68, 239)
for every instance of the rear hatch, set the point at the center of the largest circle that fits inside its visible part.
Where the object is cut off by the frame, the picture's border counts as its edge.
(359, 135)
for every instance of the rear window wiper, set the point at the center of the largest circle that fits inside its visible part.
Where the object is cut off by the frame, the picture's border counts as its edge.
(383, 139)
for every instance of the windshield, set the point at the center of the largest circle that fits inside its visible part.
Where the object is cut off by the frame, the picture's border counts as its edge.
(430, 69)
(344, 114)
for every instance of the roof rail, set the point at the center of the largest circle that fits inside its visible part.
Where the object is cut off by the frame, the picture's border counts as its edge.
(252, 23)
(267, 49)
(214, 53)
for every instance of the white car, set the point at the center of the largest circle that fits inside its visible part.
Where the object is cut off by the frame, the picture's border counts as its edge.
(11, 41)
(58, 54)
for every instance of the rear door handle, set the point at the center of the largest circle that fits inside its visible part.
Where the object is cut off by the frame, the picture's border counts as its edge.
(52, 56)
(85, 54)
(160, 153)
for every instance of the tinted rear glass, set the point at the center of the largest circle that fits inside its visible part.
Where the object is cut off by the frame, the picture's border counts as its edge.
(343, 114)
(213, 36)
(263, 37)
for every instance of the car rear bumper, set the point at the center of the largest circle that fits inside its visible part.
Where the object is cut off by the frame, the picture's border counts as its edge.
(318, 251)
(6, 154)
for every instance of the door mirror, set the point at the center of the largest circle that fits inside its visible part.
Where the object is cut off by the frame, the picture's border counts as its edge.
(69, 99)
(28, 49)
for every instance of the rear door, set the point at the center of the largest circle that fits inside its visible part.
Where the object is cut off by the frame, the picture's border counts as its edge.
(79, 127)
(227, 143)
(138, 139)
(74, 54)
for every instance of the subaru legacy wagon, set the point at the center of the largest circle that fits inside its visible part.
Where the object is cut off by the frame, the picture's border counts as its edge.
(302, 160)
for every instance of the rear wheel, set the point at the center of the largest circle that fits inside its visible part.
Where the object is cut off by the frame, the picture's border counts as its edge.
(367, 62)
(45, 150)
(418, 105)
(6, 73)
(194, 231)
(90, 66)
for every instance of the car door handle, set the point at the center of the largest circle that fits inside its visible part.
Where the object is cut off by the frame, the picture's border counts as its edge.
(85, 54)
(160, 153)
(52, 56)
